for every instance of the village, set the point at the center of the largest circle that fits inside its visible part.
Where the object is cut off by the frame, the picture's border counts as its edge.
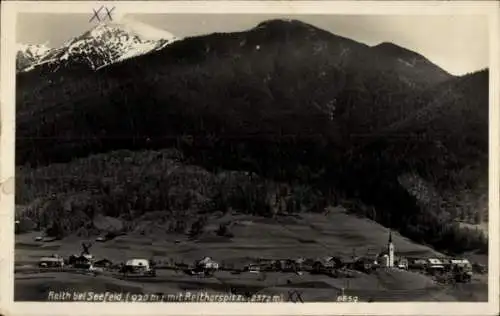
(443, 270)
(322, 257)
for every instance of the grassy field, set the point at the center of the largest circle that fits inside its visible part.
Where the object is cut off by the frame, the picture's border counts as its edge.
(310, 236)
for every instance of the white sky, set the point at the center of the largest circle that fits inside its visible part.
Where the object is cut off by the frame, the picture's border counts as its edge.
(458, 44)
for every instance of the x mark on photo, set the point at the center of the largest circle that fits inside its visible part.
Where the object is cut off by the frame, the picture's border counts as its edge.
(98, 18)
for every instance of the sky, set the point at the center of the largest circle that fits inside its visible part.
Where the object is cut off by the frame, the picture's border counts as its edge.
(456, 43)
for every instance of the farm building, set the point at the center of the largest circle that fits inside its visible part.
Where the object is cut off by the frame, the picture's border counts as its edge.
(51, 262)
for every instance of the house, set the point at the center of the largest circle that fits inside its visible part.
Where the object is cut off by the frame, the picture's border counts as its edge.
(327, 264)
(95, 269)
(138, 266)
(461, 265)
(401, 263)
(365, 264)
(417, 263)
(290, 265)
(266, 264)
(253, 268)
(446, 262)
(74, 258)
(81, 262)
(51, 262)
(103, 263)
(460, 262)
(300, 262)
(207, 263)
(205, 266)
(435, 265)
(282, 264)
(88, 256)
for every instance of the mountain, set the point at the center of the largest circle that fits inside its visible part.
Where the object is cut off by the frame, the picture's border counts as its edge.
(412, 61)
(284, 100)
(29, 54)
(278, 68)
(105, 44)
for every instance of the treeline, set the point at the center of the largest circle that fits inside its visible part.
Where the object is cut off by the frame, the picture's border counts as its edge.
(129, 185)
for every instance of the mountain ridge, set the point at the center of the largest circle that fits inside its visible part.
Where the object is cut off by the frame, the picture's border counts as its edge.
(104, 44)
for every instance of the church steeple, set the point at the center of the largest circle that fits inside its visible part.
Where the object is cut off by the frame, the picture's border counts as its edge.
(390, 251)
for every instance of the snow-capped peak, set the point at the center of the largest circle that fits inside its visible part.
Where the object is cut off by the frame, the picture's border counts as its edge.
(29, 54)
(107, 43)
(34, 50)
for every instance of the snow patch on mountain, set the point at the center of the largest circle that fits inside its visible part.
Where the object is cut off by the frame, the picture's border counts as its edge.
(138, 49)
(407, 63)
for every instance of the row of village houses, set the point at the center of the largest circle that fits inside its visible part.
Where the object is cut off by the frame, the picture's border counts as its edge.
(321, 265)
(329, 265)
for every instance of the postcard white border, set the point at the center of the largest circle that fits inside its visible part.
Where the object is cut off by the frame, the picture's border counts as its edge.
(7, 100)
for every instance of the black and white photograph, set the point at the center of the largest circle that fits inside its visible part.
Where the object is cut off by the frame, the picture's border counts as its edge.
(251, 158)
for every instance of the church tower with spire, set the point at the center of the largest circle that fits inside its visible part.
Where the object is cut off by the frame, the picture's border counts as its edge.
(390, 251)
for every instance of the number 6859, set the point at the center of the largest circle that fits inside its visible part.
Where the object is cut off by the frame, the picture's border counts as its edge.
(347, 298)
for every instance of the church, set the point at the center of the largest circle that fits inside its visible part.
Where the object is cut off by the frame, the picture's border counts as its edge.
(386, 257)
